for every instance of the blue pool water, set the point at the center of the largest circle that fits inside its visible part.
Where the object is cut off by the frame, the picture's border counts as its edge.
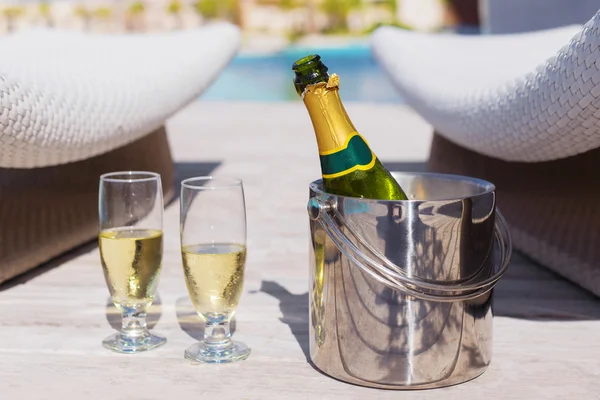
(269, 77)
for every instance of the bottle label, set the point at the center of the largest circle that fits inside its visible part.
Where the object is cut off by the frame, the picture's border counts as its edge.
(354, 155)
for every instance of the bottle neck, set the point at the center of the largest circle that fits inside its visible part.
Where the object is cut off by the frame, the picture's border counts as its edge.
(331, 123)
(308, 71)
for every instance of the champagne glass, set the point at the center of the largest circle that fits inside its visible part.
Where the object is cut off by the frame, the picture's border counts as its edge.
(131, 247)
(213, 249)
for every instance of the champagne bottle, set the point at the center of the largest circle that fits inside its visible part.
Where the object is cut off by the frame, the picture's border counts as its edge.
(348, 165)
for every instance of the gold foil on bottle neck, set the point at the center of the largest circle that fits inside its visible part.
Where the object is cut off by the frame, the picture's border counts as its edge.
(330, 120)
(333, 83)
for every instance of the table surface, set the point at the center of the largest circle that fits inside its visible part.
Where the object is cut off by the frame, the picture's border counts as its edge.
(52, 321)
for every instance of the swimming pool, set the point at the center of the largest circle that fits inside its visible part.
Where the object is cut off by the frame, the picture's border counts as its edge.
(269, 77)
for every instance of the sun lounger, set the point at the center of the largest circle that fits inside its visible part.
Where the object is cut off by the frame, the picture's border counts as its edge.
(522, 111)
(76, 105)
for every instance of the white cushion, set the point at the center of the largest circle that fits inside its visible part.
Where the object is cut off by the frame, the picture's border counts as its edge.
(67, 96)
(517, 97)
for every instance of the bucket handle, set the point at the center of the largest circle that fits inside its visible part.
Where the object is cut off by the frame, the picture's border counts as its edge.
(386, 272)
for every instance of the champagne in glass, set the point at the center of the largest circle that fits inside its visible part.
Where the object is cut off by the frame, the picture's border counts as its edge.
(131, 246)
(214, 276)
(131, 260)
(213, 251)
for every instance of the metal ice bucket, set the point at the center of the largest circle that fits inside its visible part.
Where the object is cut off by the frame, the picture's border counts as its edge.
(401, 291)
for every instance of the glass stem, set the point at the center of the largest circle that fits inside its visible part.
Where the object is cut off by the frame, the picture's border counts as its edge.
(217, 336)
(134, 324)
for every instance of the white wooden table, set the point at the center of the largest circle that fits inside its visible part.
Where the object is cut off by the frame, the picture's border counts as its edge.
(52, 321)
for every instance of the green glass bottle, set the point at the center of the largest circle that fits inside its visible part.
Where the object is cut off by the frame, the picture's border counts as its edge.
(348, 165)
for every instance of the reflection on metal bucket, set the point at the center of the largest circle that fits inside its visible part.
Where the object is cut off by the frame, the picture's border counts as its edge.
(401, 292)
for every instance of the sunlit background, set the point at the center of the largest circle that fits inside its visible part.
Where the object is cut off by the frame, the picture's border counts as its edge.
(275, 34)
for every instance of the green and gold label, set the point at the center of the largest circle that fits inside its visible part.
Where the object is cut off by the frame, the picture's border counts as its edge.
(354, 155)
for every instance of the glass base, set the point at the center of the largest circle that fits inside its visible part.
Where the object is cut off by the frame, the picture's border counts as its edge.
(200, 352)
(122, 344)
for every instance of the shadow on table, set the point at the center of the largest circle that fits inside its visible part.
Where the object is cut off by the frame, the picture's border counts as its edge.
(185, 170)
(530, 291)
(294, 308)
(527, 291)
(50, 265)
(190, 322)
(114, 317)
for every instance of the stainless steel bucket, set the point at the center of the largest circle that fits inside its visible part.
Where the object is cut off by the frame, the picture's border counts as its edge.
(401, 291)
